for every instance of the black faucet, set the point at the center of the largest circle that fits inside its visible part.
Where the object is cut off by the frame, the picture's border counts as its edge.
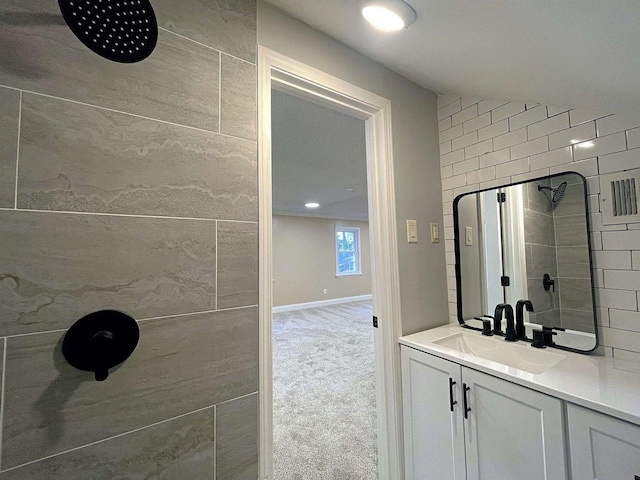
(510, 335)
(521, 334)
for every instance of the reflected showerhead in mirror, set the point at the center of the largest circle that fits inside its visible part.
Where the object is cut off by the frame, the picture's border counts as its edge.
(556, 193)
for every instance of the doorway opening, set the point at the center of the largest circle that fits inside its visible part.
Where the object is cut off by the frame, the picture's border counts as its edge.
(324, 405)
(294, 78)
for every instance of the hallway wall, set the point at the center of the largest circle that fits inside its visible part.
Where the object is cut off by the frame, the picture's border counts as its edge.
(304, 261)
(415, 155)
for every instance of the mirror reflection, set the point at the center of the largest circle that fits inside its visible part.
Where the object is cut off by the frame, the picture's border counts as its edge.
(528, 241)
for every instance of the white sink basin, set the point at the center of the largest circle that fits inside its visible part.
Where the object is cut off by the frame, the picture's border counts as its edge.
(519, 355)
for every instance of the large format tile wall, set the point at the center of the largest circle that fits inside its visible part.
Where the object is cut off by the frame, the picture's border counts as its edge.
(130, 187)
(486, 143)
(572, 250)
(540, 254)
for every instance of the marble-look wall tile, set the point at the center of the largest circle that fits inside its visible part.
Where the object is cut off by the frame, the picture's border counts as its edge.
(575, 293)
(583, 321)
(550, 318)
(9, 114)
(178, 82)
(226, 25)
(1, 371)
(571, 203)
(239, 98)
(536, 199)
(56, 268)
(237, 442)
(571, 231)
(237, 264)
(573, 262)
(180, 365)
(176, 449)
(80, 158)
(543, 300)
(541, 259)
(538, 228)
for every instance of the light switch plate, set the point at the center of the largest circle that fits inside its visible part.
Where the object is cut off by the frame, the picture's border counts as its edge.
(468, 236)
(435, 233)
(412, 231)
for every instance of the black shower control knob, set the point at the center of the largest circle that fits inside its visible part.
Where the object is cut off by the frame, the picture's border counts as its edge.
(100, 341)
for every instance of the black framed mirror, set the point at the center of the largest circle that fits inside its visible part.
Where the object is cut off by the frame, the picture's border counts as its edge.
(528, 241)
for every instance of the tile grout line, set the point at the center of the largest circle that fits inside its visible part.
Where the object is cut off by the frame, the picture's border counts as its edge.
(163, 317)
(166, 420)
(215, 441)
(166, 122)
(103, 214)
(217, 255)
(197, 313)
(4, 374)
(246, 395)
(205, 45)
(220, 92)
(15, 198)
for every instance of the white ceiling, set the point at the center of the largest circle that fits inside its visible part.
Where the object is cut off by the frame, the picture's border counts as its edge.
(317, 154)
(571, 53)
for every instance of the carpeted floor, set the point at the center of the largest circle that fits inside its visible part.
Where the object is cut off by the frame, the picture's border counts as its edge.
(324, 394)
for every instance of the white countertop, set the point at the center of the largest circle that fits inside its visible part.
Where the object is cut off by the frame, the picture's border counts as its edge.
(595, 382)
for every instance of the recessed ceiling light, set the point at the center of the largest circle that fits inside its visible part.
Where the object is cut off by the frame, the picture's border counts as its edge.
(388, 15)
(312, 204)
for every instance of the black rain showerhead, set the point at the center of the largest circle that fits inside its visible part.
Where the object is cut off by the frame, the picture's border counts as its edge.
(124, 31)
(557, 193)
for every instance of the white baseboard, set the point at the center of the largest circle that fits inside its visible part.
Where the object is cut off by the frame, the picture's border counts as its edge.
(321, 303)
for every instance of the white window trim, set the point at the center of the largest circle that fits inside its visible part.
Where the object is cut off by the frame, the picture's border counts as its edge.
(358, 256)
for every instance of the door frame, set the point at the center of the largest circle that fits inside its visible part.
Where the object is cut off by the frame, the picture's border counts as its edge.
(301, 80)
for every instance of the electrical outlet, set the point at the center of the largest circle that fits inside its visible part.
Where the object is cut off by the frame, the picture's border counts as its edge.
(324, 291)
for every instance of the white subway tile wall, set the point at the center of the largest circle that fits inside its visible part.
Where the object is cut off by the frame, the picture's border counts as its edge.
(519, 141)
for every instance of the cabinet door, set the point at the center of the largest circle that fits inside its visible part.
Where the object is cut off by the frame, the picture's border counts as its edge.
(512, 432)
(602, 447)
(433, 433)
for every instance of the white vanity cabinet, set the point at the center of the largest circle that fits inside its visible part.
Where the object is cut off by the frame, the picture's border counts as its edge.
(495, 430)
(433, 423)
(602, 447)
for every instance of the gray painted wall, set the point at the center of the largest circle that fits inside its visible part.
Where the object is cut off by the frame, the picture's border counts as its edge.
(471, 259)
(415, 155)
(135, 190)
(304, 261)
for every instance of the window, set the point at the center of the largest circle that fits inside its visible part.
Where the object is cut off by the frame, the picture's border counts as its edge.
(347, 251)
